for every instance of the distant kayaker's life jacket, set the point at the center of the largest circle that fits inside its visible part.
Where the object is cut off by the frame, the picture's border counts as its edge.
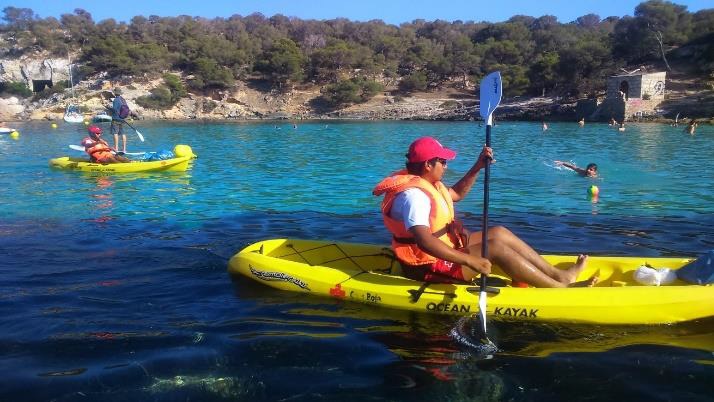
(441, 217)
(96, 150)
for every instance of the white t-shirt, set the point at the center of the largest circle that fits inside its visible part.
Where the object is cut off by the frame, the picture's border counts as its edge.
(412, 206)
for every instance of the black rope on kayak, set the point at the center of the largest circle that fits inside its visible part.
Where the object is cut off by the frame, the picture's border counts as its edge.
(346, 256)
(300, 255)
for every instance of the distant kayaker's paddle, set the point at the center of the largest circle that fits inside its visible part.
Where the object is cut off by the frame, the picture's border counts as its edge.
(81, 148)
(141, 137)
(490, 99)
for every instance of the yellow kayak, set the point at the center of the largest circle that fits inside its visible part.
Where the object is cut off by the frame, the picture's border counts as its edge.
(180, 163)
(370, 274)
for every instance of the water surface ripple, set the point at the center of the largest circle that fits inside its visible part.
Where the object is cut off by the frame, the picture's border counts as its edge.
(115, 288)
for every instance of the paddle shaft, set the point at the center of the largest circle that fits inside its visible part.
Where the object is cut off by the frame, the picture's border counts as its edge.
(484, 242)
(141, 137)
(81, 148)
(484, 220)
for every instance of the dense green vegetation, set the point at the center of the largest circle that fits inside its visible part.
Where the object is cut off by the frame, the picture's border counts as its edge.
(15, 88)
(164, 96)
(536, 55)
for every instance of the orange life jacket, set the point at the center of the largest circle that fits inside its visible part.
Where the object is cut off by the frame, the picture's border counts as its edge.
(96, 150)
(441, 217)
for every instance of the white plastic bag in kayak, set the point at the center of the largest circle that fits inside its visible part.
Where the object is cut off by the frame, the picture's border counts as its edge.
(646, 275)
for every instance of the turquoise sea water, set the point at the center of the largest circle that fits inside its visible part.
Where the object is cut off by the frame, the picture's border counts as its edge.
(115, 287)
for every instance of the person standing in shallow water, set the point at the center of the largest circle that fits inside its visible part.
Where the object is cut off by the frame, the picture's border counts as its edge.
(118, 122)
(691, 127)
(433, 246)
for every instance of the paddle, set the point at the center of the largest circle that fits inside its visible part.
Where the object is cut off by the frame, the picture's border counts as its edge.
(490, 99)
(141, 137)
(81, 148)
(138, 134)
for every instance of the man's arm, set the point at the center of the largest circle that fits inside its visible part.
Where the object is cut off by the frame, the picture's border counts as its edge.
(462, 187)
(571, 167)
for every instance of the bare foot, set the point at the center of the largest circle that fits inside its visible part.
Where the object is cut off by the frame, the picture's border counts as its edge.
(571, 274)
(588, 283)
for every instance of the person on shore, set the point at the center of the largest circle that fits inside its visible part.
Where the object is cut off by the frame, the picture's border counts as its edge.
(120, 111)
(433, 246)
(589, 171)
(691, 127)
(98, 149)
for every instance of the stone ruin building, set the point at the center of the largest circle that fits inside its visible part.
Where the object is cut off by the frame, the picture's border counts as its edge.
(631, 95)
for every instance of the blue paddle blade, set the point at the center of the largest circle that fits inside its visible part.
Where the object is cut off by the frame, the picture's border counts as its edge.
(491, 89)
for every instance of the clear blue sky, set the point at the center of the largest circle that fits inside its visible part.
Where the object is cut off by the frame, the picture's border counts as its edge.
(390, 11)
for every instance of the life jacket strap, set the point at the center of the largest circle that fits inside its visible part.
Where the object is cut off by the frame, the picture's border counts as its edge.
(412, 240)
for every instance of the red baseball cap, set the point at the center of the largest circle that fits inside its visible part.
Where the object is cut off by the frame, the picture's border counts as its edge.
(426, 148)
(94, 130)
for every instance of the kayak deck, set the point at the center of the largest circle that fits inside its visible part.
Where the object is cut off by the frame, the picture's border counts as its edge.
(370, 274)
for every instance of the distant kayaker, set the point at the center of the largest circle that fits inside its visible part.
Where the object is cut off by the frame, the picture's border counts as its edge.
(544, 125)
(120, 111)
(589, 171)
(581, 122)
(98, 149)
(433, 246)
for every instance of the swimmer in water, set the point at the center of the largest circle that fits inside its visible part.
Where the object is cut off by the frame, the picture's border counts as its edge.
(589, 171)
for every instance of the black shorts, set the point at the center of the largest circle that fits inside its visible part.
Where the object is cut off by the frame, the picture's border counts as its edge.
(117, 127)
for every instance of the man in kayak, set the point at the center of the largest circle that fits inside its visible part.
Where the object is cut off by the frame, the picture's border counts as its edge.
(433, 246)
(98, 149)
(589, 171)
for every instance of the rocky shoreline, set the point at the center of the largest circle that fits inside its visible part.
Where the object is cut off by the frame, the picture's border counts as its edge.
(251, 100)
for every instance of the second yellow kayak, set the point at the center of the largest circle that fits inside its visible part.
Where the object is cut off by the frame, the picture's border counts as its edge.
(180, 163)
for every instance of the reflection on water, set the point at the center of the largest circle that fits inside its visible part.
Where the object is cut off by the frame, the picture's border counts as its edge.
(102, 202)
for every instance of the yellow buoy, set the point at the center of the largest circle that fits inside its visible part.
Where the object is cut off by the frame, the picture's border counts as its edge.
(86, 122)
(53, 125)
(183, 150)
(14, 135)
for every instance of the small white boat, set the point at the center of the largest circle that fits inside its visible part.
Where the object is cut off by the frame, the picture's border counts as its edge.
(102, 118)
(6, 130)
(73, 115)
